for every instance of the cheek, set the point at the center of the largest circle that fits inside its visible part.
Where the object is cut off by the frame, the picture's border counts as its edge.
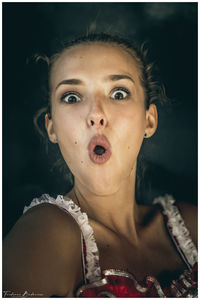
(129, 133)
(130, 124)
(66, 123)
(71, 136)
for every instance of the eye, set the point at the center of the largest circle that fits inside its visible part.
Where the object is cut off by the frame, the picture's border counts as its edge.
(120, 94)
(70, 98)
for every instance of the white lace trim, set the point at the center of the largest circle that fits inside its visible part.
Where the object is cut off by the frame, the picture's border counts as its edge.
(178, 229)
(93, 271)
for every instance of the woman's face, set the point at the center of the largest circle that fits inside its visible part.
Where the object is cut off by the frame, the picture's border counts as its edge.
(98, 107)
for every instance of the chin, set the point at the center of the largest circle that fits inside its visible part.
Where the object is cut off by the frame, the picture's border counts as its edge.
(103, 182)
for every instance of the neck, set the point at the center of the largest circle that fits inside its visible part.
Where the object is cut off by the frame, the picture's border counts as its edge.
(118, 211)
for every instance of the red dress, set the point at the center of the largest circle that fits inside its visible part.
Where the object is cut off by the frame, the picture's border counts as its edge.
(118, 283)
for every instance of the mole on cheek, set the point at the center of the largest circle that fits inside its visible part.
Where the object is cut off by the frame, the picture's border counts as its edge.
(81, 161)
(128, 147)
(75, 142)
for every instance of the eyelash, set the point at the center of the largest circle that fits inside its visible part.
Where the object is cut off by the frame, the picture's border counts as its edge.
(71, 93)
(121, 89)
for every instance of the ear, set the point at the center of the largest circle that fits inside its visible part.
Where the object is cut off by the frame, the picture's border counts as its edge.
(50, 129)
(151, 120)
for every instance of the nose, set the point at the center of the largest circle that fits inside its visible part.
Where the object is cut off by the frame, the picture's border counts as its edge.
(96, 117)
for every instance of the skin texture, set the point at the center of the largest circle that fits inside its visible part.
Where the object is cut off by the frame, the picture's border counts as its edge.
(37, 258)
(101, 188)
(129, 236)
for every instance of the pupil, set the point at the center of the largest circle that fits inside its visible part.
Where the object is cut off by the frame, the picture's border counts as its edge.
(118, 95)
(72, 99)
(99, 150)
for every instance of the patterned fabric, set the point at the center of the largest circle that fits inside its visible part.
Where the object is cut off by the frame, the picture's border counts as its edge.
(117, 283)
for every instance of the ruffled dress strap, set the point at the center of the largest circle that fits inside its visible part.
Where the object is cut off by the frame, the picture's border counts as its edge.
(178, 231)
(90, 254)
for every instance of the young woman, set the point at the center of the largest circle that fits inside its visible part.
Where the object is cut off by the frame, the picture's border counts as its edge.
(97, 241)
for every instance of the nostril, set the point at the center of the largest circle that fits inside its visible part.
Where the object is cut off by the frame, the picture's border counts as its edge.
(101, 122)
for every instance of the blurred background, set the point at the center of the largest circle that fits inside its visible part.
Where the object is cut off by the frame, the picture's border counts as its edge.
(170, 30)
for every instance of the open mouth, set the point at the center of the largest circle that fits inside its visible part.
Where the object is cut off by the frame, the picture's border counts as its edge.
(99, 150)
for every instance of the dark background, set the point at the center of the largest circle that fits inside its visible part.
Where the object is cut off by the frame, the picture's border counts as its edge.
(29, 28)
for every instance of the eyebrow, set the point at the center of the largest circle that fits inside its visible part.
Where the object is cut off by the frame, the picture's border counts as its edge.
(70, 81)
(119, 77)
(74, 81)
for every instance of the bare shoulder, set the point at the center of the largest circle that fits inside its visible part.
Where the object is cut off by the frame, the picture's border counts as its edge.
(42, 253)
(189, 214)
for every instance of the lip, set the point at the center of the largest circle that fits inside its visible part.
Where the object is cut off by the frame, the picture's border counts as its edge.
(100, 140)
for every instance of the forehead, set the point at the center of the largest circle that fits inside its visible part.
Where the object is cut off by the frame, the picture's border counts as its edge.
(92, 60)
